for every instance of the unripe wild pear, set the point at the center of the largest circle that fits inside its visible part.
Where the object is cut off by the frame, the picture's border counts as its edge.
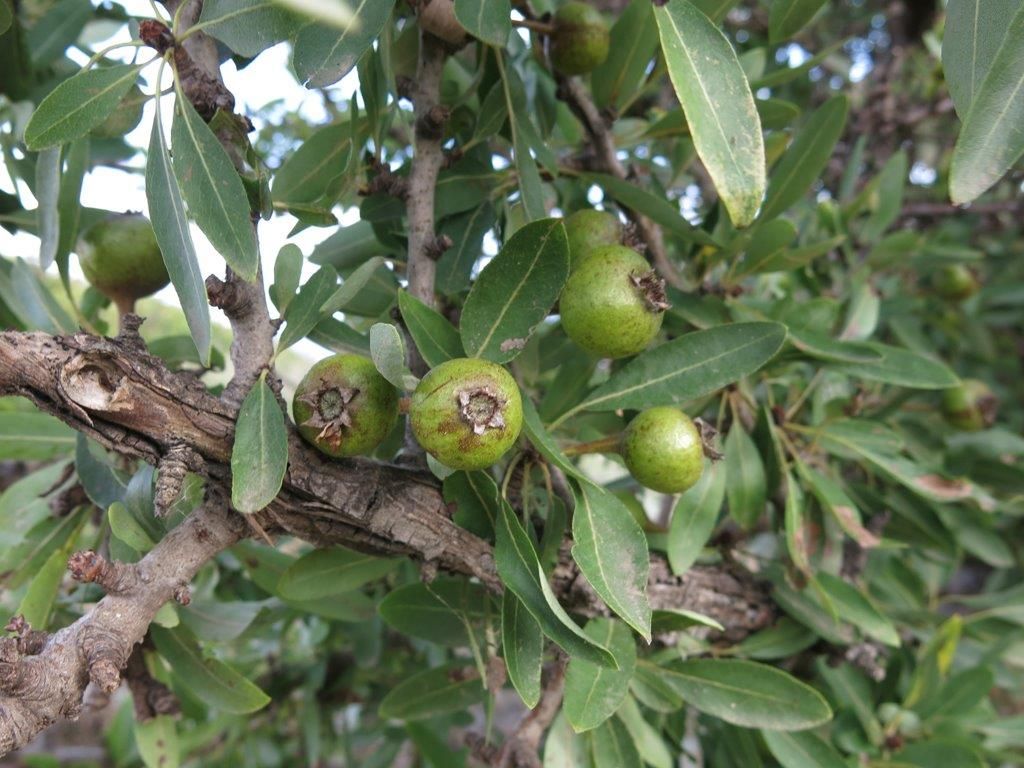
(955, 282)
(970, 406)
(590, 229)
(466, 413)
(438, 18)
(613, 302)
(344, 407)
(663, 450)
(580, 41)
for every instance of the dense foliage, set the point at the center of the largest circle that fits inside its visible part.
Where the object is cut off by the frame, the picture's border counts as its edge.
(823, 349)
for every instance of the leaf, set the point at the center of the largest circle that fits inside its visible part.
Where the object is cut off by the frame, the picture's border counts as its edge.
(787, 17)
(388, 353)
(34, 303)
(833, 498)
(515, 291)
(287, 274)
(37, 604)
(248, 27)
(807, 156)
(213, 190)
(688, 367)
(611, 551)
(436, 339)
(821, 346)
(612, 747)
(487, 20)
(170, 225)
(747, 488)
(215, 683)
(542, 440)
(314, 171)
(971, 37)
(593, 693)
(855, 608)
(719, 106)
(5, 17)
(901, 367)
(563, 748)
(259, 455)
(802, 750)
(467, 231)
(647, 739)
(157, 742)
(303, 312)
(352, 286)
(694, 518)
(326, 572)
(78, 105)
(33, 436)
(476, 496)
(219, 621)
(69, 207)
(437, 691)
(102, 484)
(125, 528)
(940, 753)
(989, 142)
(440, 612)
(51, 35)
(634, 41)
(748, 694)
(854, 692)
(48, 172)
(323, 54)
(521, 572)
(797, 527)
(522, 645)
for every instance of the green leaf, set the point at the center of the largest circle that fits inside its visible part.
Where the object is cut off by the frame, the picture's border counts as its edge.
(287, 274)
(853, 690)
(125, 528)
(542, 440)
(157, 742)
(989, 142)
(78, 105)
(971, 37)
(521, 572)
(833, 498)
(451, 688)
(515, 291)
(33, 436)
(522, 645)
(259, 455)
(69, 206)
(170, 225)
(593, 693)
(51, 35)
(647, 739)
(326, 572)
(634, 41)
(487, 20)
(611, 551)
(324, 54)
(784, 639)
(219, 621)
(303, 312)
(213, 190)
(651, 689)
(821, 346)
(688, 367)
(352, 286)
(315, 171)
(48, 172)
(441, 612)
(37, 604)
(612, 747)
(34, 303)
(435, 337)
(388, 353)
(719, 106)
(901, 367)
(855, 608)
(248, 27)
(747, 489)
(748, 694)
(475, 495)
(694, 518)
(807, 156)
(787, 17)
(802, 750)
(212, 681)
(21, 562)
(940, 753)
(467, 231)
(5, 17)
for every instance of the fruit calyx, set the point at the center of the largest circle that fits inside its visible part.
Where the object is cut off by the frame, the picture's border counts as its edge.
(482, 409)
(651, 289)
(330, 412)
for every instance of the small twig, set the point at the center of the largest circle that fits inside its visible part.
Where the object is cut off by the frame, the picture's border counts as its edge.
(540, 27)
(521, 748)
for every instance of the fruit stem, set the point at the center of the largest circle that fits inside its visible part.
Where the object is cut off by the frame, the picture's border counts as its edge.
(537, 26)
(609, 444)
(404, 403)
(125, 306)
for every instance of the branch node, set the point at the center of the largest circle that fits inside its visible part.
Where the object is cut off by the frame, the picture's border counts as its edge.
(115, 578)
(182, 594)
(430, 125)
(156, 35)
(30, 642)
(435, 248)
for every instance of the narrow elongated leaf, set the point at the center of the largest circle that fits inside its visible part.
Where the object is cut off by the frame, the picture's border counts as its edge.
(747, 487)
(833, 498)
(990, 142)
(856, 609)
(352, 286)
(903, 368)
(802, 750)
(467, 231)
(719, 106)
(33, 436)
(522, 645)
(51, 35)
(259, 456)
(388, 353)
(592, 692)
(213, 190)
(563, 748)
(748, 694)
(69, 206)
(5, 17)
(34, 303)
(435, 337)
(220, 621)
(611, 551)
(612, 747)
(37, 604)
(326, 572)
(516, 291)
(441, 612)
(170, 225)
(48, 168)
(521, 572)
(314, 171)
(487, 20)
(324, 54)
(694, 517)
(434, 692)
(303, 312)
(157, 741)
(127, 529)
(287, 273)
(648, 740)
(689, 367)
(78, 105)
(806, 157)
(973, 33)
(797, 528)
(634, 40)
(787, 17)
(213, 681)
(248, 27)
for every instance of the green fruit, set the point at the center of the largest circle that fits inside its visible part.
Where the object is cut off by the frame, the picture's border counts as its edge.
(124, 118)
(613, 303)
(971, 406)
(438, 18)
(663, 450)
(120, 257)
(580, 40)
(466, 413)
(956, 282)
(344, 407)
(589, 229)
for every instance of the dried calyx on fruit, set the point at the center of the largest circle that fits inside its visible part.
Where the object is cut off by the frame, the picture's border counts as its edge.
(466, 413)
(663, 449)
(344, 407)
(580, 41)
(970, 406)
(588, 230)
(613, 303)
